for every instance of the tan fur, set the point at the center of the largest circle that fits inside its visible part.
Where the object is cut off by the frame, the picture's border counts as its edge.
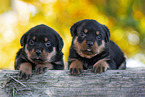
(97, 32)
(101, 63)
(44, 55)
(42, 66)
(85, 30)
(76, 65)
(101, 47)
(50, 55)
(29, 54)
(122, 66)
(83, 46)
(26, 68)
(72, 59)
(34, 38)
(46, 39)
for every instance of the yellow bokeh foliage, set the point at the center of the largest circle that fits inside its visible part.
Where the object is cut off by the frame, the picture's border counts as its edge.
(123, 18)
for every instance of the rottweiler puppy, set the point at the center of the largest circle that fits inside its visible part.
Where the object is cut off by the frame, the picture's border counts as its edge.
(41, 50)
(92, 48)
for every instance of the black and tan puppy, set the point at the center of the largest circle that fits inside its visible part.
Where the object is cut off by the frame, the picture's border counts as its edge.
(92, 48)
(41, 50)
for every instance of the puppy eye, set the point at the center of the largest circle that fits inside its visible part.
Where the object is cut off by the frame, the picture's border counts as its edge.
(83, 34)
(98, 37)
(48, 44)
(31, 42)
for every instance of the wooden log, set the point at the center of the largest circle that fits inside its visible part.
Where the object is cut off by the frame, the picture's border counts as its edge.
(112, 83)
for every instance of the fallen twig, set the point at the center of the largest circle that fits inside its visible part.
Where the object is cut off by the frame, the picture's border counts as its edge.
(17, 81)
(13, 91)
(14, 86)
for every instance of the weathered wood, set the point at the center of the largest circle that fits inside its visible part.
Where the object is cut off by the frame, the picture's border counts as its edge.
(112, 83)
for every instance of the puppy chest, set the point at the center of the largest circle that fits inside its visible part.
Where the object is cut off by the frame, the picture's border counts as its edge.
(88, 63)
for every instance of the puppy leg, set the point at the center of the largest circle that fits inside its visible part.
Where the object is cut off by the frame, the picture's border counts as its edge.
(122, 66)
(100, 66)
(41, 68)
(76, 67)
(25, 71)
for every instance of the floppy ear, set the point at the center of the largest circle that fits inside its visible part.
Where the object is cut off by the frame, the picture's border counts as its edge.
(24, 38)
(107, 32)
(73, 29)
(59, 43)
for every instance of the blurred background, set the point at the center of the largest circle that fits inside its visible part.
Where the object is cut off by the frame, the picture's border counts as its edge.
(124, 18)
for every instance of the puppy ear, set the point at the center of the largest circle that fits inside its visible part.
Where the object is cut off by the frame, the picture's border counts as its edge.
(107, 32)
(73, 28)
(23, 39)
(59, 43)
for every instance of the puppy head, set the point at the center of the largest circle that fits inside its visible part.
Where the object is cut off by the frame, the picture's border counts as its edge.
(41, 43)
(89, 37)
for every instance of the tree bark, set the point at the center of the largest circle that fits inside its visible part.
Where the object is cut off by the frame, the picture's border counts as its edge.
(112, 83)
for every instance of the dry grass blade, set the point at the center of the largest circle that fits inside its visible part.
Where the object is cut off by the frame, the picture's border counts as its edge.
(14, 86)
(17, 81)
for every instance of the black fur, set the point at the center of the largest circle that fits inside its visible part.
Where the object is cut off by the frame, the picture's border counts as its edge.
(40, 32)
(111, 51)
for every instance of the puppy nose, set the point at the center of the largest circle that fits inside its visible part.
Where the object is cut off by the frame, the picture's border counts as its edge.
(90, 43)
(38, 52)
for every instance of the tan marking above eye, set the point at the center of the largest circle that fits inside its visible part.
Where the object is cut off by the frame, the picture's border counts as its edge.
(85, 30)
(34, 37)
(46, 39)
(97, 32)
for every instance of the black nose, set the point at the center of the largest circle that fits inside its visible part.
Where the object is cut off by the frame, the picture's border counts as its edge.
(38, 52)
(90, 43)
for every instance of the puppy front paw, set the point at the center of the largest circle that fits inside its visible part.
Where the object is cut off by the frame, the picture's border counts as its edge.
(100, 66)
(42, 68)
(76, 67)
(25, 71)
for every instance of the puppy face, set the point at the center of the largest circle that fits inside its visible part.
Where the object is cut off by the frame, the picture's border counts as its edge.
(41, 44)
(90, 37)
